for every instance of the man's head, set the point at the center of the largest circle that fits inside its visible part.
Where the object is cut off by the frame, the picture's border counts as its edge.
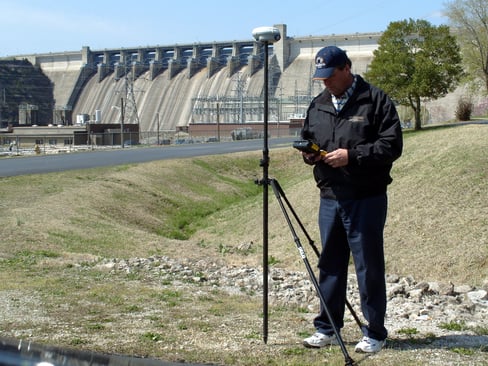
(333, 67)
(327, 60)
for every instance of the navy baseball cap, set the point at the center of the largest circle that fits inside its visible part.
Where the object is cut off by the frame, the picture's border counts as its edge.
(327, 59)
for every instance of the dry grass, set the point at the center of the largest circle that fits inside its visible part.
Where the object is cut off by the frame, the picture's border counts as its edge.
(56, 226)
(437, 227)
(438, 223)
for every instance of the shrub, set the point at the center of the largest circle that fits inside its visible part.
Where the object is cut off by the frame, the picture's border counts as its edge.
(464, 110)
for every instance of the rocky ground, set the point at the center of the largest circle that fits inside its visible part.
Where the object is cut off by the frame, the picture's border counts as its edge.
(440, 317)
(447, 315)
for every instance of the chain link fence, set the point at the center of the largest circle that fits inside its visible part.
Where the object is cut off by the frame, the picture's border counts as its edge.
(17, 144)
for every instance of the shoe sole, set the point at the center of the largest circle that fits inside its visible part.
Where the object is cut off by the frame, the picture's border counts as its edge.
(308, 345)
(360, 350)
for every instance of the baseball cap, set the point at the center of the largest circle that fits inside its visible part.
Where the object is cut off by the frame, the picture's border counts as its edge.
(327, 59)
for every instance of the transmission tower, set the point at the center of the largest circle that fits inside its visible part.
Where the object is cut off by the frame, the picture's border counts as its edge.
(240, 90)
(128, 92)
(130, 114)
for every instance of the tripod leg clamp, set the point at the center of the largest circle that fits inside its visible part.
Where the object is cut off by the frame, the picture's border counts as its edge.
(261, 182)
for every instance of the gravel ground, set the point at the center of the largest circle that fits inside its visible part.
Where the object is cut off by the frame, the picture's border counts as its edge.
(432, 323)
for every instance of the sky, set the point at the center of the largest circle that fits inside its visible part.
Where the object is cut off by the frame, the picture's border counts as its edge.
(34, 26)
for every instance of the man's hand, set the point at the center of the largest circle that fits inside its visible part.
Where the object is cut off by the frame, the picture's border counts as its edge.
(337, 158)
(311, 158)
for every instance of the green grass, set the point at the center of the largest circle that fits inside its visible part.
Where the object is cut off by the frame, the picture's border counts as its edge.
(408, 331)
(457, 326)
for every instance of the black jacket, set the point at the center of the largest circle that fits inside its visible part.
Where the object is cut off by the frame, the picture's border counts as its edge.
(368, 126)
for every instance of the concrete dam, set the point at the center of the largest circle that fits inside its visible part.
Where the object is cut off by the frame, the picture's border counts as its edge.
(165, 88)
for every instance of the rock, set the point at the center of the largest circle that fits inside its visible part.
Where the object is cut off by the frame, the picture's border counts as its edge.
(462, 289)
(479, 297)
(411, 303)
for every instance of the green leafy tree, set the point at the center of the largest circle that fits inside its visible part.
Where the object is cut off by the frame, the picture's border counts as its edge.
(415, 62)
(469, 20)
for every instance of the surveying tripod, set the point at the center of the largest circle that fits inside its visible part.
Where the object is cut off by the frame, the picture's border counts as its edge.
(282, 199)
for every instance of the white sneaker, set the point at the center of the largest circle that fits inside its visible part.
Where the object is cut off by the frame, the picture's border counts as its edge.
(319, 340)
(369, 345)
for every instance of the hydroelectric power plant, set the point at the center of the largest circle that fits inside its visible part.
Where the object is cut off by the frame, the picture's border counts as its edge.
(169, 88)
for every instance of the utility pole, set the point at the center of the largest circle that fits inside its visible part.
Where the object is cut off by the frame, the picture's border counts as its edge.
(218, 121)
(3, 106)
(157, 116)
(122, 122)
(280, 106)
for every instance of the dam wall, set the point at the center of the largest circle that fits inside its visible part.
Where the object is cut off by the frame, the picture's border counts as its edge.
(169, 87)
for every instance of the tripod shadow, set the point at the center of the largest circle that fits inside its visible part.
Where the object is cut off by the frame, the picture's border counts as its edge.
(464, 341)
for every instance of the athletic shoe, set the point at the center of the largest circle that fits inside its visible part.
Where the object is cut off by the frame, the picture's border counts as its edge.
(369, 345)
(319, 340)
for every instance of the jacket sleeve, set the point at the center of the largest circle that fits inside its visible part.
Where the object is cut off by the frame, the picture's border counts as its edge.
(388, 143)
(305, 134)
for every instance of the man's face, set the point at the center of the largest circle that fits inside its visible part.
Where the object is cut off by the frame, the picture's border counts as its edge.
(340, 80)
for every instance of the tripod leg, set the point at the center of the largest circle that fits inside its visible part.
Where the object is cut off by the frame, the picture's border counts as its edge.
(347, 357)
(278, 190)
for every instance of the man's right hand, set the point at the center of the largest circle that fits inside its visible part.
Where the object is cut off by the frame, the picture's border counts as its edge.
(311, 158)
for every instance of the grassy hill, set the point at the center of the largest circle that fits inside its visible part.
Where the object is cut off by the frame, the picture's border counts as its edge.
(437, 225)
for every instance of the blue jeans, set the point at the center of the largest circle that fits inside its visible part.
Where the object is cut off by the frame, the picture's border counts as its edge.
(353, 226)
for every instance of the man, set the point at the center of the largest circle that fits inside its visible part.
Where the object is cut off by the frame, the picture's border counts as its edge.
(359, 128)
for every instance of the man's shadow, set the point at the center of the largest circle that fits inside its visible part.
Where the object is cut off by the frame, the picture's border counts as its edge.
(466, 342)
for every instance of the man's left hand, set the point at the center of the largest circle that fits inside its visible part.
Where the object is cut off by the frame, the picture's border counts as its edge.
(337, 158)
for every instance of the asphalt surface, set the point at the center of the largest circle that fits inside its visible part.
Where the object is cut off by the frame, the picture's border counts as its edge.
(39, 164)
(24, 353)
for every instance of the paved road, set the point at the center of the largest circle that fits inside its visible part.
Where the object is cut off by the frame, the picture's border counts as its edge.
(12, 166)
(20, 352)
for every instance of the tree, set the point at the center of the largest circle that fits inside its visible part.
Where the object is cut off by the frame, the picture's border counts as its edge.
(415, 62)
(469, 20)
